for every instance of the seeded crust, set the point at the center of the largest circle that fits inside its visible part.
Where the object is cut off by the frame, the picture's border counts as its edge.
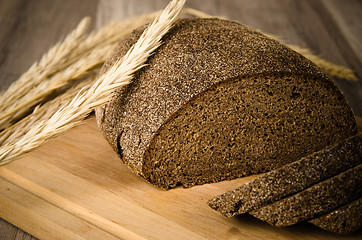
(219, 101)
(317, 200)
(344, 220)
(291, 178)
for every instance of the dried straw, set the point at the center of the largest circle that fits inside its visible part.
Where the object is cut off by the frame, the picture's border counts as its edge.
(40, 83)
(43, 112)
(118, 75)
(36, 94)
(48, 64)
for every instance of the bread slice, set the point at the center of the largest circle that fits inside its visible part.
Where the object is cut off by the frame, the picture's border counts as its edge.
(217, 101)
(344, 220)
(291, 178)
(319, 199)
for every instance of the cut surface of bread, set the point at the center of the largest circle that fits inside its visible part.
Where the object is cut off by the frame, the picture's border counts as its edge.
(291, 178)
(344, 220)
(218, 101)
(316, 200)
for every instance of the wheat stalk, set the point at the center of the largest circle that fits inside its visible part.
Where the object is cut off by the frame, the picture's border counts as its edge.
(43, 112)
(92, 55)
(97, 46)
(110, 35)
(113, 31)
(92, 52)
(36, 94)
(17, 95)
(118, 75)
(48, 64)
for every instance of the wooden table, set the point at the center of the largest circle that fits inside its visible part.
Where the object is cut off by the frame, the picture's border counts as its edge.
(331, 28)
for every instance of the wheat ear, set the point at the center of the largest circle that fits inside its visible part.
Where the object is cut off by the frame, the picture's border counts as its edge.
(48, 64)
(118, 75)
(43, 112)
(91, 53)
(37, 94)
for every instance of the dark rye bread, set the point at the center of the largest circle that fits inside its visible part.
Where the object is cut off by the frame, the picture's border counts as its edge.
(344, 220)
(291, 178)
(316, 200)
(217, 101)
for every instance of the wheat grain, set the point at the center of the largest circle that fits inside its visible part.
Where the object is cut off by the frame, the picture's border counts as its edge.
(110, 34)
(43, 112)
(92, 52)
(89, 55)
(36, 94)
(118, 75)
(48, 64)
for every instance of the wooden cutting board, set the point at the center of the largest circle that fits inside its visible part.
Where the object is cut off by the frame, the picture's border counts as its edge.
(75, 187)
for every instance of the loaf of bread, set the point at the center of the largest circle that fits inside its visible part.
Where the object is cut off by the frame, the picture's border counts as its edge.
(291, 178)
(218, 101)
(314, 201)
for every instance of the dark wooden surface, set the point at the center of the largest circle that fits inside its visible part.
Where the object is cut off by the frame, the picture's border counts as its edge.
(331, 28)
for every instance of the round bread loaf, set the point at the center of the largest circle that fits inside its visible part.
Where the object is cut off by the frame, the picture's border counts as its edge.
(218, 101)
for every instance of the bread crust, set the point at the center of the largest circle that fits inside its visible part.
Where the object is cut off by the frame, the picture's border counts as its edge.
(291, 178)
(314, 201)
(344, 220)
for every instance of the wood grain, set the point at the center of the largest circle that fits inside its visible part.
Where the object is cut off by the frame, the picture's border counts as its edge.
(331, 28)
